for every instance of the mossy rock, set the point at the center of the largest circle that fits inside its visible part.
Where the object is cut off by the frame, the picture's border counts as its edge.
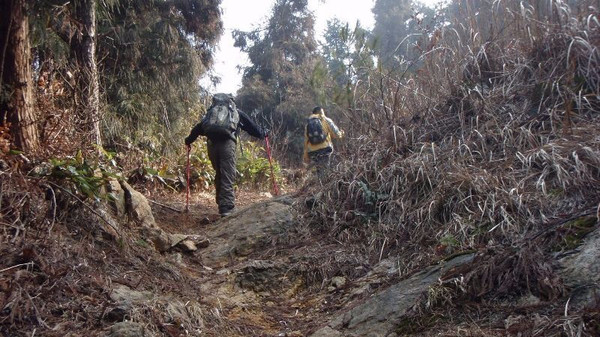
(576, 230)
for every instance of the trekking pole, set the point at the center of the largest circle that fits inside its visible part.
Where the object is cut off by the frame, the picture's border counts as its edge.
(275, 187)
(187, 183)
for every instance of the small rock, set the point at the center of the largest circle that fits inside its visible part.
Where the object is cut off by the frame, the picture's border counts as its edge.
(178, 258)
(295, 334)
(177, 238)
(338, 282)
(115, 315)
(127, 329)
(126, 298)
(529, 300)
(187, 246)
(117, 197)
(516, 323)
(203, 243)
(223, 272)
(43, 169)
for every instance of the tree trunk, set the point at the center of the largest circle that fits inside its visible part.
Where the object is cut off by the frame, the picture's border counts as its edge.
(83, 46)
(16, 86)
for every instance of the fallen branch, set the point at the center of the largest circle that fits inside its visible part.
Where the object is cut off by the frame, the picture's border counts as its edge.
(166, 206)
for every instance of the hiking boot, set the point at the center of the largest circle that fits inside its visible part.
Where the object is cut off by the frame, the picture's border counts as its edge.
(226, 213)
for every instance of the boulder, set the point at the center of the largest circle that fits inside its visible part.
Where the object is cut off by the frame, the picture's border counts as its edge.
(128, 302)
(117, 197)
(109, 224)
(137, 206)
(139, 212)
(259, 276)
(582, 266)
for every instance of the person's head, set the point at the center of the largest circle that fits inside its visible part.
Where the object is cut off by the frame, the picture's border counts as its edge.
(317, 110)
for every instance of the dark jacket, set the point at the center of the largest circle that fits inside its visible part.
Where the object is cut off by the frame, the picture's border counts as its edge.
(245, 124)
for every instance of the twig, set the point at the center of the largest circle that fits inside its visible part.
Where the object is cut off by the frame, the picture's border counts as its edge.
(17, 266)
(38, 315)
(165, 206)
(54, 207)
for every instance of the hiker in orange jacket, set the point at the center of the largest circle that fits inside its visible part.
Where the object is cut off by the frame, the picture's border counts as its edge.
(318, 133)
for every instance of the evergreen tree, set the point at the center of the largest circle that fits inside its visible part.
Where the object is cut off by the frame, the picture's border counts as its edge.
(348, 54)
(399, 24)
(278, 82)
(149, 57)
(154, 53)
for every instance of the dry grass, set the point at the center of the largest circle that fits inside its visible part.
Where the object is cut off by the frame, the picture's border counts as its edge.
(489, 142)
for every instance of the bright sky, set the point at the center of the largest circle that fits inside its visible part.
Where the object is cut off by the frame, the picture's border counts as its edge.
(246, 15)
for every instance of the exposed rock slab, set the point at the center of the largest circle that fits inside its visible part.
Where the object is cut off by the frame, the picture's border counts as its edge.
(247, 231)
(381, 314)
(580, 270)
(583, 266)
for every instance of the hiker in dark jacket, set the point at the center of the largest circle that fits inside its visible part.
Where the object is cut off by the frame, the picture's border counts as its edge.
(221, 152)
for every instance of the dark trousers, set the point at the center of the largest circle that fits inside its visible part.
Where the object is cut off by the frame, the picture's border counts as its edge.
(222, 157)
(320, 160)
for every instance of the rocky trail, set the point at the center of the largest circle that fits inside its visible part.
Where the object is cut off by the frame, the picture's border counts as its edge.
(167, 272)
(247, 280)
(235, 265)
(251, 277)
(233, 268)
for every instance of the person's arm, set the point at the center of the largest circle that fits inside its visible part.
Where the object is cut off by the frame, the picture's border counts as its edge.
(250, 126)
(305, 157)
(196, 131)
(336, 132)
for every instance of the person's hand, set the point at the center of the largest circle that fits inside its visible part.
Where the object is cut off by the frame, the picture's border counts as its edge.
(189, 147)
(265, 133)
(187, 141)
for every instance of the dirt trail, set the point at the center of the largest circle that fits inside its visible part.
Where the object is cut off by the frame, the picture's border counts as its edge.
(249, 293)
(78, 281)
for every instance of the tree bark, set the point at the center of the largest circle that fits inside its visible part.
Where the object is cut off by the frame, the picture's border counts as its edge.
(83, 46)
(16, 86)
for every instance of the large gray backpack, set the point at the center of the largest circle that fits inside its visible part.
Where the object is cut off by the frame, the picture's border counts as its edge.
(222, 118)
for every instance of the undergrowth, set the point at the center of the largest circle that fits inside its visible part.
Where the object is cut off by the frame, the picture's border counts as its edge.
(492, 141)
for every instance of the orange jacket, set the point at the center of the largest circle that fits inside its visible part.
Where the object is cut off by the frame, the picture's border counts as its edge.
(330, 129)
